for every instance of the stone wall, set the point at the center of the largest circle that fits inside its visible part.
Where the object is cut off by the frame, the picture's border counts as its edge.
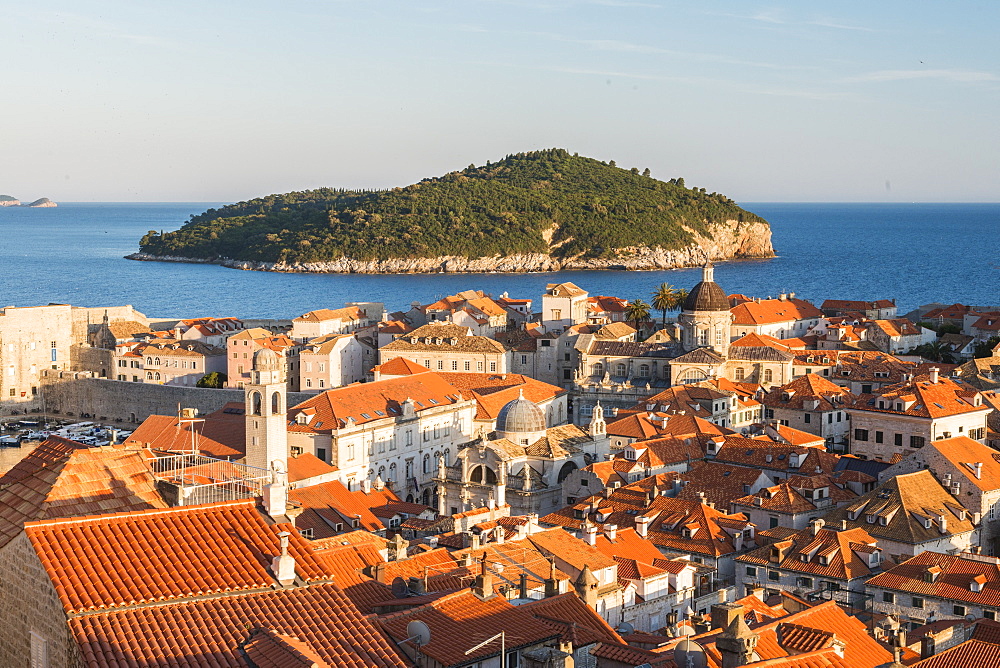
(66, 393)
(31, 604)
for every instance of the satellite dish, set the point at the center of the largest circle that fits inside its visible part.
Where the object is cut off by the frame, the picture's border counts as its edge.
(625, 628)
(419, 632)
(399, 588)
(689, 654)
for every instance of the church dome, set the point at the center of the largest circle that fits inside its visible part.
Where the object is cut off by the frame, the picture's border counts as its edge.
(520, 416)
(266, 359)
(707, 295)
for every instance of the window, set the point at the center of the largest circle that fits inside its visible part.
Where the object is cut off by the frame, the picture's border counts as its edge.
(916, 441)
(493, 367)
(772, 522)
(772, 576)
(440, 365)
(556, 314)
(321, 453)
(740, 374)
(990, 614)
(768, 375)
(860, 434)
(39, 651)
(805, 583)
(888, 597)
(958, 610)
(807, 418)
(751, 571)
(878, 437)
(897, 439)
(454, 365)
(468, 365)
(916, 602)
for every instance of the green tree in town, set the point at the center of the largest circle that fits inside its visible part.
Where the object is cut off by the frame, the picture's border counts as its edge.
(985, 348)
(214, 380)
(663, 300)
(637, 311)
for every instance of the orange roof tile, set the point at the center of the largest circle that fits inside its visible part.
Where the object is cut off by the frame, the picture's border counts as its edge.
(768, 311)
(109, 561)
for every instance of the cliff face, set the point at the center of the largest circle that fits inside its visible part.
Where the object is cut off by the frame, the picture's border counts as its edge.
(732, 240)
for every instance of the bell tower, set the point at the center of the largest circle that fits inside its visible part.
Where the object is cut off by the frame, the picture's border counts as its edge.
(265, 396)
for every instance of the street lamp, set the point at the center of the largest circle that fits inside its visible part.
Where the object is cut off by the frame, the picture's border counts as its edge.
(501, 636)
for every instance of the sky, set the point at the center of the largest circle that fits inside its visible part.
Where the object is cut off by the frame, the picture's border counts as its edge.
(223, 101)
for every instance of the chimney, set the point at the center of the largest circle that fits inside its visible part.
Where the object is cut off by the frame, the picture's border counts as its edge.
(934, 375)
(590, 534)
(611, 531)
(366, 486)
(552, 582)
(942, 523)
(275, 493)
(483, 588)
(978, 470)
(736, 644)
(283, 566)
(701, 498)
(642, 526)
(758, 501)
(417, 585)
(815, 526)
(474, 540)
(723, 614)
(432, 541)
(523, 585)
(927, 646)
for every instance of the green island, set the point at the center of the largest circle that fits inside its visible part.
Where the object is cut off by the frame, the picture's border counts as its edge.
(550, 203)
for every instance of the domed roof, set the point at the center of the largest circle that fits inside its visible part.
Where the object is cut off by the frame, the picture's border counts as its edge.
(522, 416)
(266, 359)
(707, 295)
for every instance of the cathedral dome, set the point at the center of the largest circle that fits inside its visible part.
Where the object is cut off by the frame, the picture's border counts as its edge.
(266, 359)
(707, 295)
(520, 416)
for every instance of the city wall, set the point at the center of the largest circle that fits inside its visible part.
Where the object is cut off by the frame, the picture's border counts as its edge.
(69, 394)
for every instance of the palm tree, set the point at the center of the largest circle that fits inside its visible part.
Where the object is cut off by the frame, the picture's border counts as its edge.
(663, 299)
(680, 296)
(637, 310)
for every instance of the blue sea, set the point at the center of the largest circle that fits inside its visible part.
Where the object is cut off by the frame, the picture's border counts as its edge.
(915, 253)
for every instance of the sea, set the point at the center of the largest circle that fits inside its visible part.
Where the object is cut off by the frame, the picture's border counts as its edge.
(914, 253)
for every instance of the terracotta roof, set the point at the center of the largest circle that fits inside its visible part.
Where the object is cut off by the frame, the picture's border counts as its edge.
(768, 311)
(856, 305)
(908, 503)
(333, 407)
(565, 290)
(63, 478)
(108, 561)
(575, 552)
(268, 649)
(330, 503)
(222, 434)
(184, 635)
(127, 329)
(809, 393)
(634, 426)
(400, 366)
(956, 573)
(614, 331)
(964, 454)
(493, 391)
(719, 482)
(755, 340)
(307, 465)
(323, 314)
(767, 454)
(921, 398)
(845, 554)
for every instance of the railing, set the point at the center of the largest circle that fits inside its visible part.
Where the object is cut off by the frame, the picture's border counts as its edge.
(200, 479)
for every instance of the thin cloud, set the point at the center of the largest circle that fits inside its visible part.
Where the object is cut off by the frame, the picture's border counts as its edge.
(958, 76)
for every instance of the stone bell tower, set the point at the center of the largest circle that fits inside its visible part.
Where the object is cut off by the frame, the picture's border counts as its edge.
(265, 396)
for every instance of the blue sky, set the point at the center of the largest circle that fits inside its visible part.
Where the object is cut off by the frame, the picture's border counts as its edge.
(211, 101)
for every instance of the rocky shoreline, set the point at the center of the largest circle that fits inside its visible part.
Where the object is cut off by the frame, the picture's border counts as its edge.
(728, 241)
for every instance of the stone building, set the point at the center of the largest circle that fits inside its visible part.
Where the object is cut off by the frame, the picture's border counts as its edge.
(324, 322)
(902, 418)
(446, 347)
(330, 361)
(522, 464)
(812, 404)
(167, 362)
(705, 317)
(241, 348)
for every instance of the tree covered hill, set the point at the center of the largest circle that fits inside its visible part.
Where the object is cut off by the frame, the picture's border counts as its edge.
(539, 202)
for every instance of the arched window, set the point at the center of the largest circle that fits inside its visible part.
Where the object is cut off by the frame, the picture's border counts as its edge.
(149, 361)
(149, 375)
(392, 471)
(619, 369)
(739, 374)
(255, 403)
(483, 475)
(447, 457)
(156, 361)
(275, 403)
(692, 376)
(156, 376)
(427, 464)
(643, 371)
(768, 375)
(598, 369)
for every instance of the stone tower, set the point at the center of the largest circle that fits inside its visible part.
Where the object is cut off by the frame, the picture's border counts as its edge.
(705, 317)
(737, 644)
(265, 396)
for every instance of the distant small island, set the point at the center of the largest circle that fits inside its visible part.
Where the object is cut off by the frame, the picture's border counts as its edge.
(44, 202)
(538, 211)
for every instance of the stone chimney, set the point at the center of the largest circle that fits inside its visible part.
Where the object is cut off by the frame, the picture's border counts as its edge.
(397, 548)
(642, 525)
(927, 646)
(283, 565)
(366, 486)
(723, 614)
(586, 586)
(942, 523)
(275, 493)
(590, 534)
(552, 582)
(816, 525)
(483, 587)
(736, 643)
(417, 585)
(977, 470)
(611, 531)
(934, 374)
(522, 585)
(475, 540)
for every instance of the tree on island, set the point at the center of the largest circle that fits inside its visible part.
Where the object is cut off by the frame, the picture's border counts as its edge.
(664, 299)
(214, 380)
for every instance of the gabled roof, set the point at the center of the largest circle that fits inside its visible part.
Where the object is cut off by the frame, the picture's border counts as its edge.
(324, 314)
(112, 561)
(908, 503)
(330, 503)
(955, 574)
(222, 433)
(62, 478)
(845, 553)
(566, 547)
(768, 311)
(964, 454)
(922, 398)
(809, 388)
(183, 635)
(400, 366)
(269, 649)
